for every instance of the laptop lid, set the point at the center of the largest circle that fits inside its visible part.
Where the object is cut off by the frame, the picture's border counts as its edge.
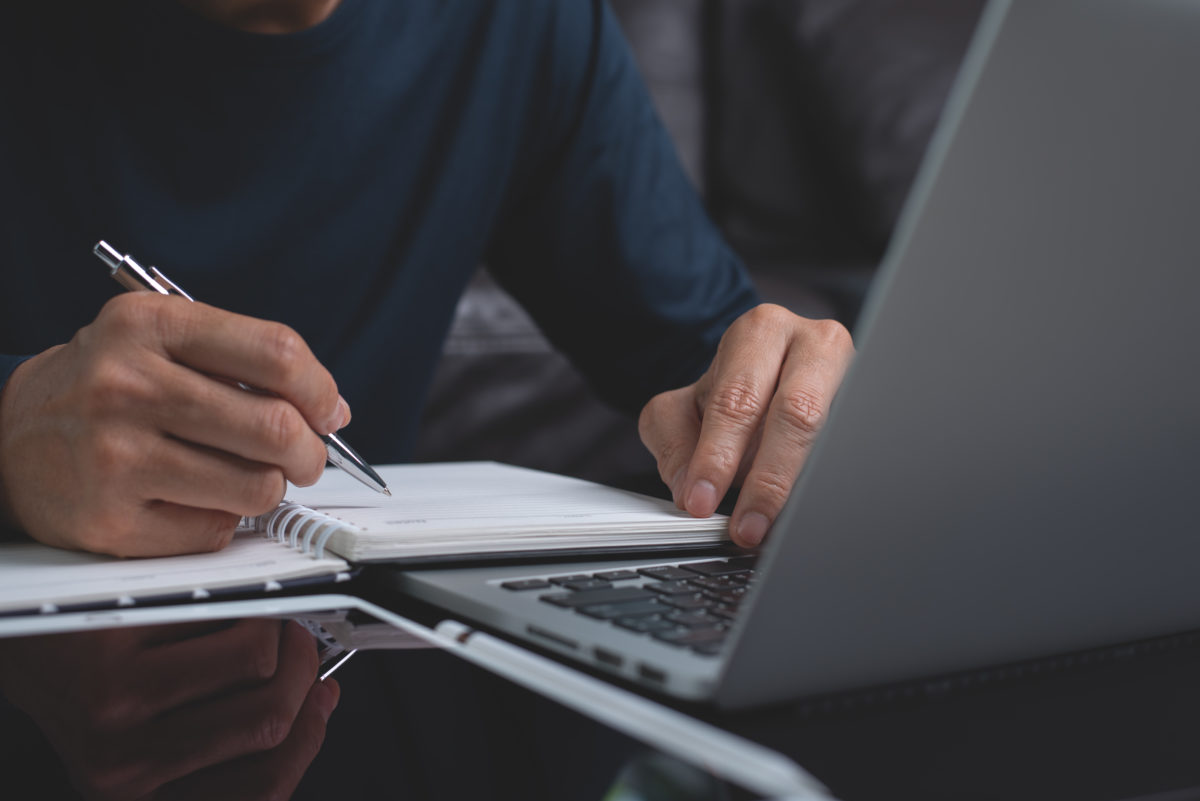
(1009, 470)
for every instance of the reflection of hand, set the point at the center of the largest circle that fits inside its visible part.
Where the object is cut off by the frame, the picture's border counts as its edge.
(186, 711)
(752, 417)
(161, 456)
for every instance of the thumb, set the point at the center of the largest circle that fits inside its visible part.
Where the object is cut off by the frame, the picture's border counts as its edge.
(669, 426)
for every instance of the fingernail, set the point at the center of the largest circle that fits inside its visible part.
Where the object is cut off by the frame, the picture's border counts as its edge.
(343, 412)
(751, 529)
(702, 499)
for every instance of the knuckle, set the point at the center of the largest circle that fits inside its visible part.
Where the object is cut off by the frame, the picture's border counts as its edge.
(111, 385)
(770, 487)
(285, 350)
(833, 334)
(264, 490)
(770, 313)
(764, 316)
(281, 427)
(130, 312)
(111, 452)
(736, 402)
(669, 459)
(270, 730)
(802, 411)
(312, 466)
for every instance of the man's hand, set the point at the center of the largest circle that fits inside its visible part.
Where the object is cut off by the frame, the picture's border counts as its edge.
(133, 440)
(750, 419)
(206, 710)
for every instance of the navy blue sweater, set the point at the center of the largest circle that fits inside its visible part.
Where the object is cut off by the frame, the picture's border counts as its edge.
(349, 179)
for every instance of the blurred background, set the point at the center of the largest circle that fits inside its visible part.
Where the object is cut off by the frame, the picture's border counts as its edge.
(802, 123)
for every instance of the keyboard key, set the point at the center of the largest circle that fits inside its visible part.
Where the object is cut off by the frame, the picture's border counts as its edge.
(526, 584)
(646, 625)
(731, 597)
(671, 588)
(691, 637)
(630, 610)
(708, 649)
(616, 575)
(666, 573)
(721, 567)
(719, 582)
(564, 579)
(689, 601)
(724, 612)
(586, 584)
(695, 620)
(612, 595)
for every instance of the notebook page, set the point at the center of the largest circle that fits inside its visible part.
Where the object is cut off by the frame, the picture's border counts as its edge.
(468, 506)
(33, 575)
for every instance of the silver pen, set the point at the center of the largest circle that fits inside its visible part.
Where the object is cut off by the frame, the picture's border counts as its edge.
(137, 278)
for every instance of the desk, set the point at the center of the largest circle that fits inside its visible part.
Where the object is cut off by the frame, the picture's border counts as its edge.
(1122, 728)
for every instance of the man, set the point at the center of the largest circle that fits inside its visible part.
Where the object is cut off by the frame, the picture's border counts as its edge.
(328, 174)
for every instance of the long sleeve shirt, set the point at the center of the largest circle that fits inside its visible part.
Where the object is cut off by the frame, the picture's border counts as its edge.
(348, 180)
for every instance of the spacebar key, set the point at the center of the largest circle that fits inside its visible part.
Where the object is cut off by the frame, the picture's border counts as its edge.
(614, 595)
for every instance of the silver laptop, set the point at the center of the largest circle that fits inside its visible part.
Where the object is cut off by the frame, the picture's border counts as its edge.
(1012, 468)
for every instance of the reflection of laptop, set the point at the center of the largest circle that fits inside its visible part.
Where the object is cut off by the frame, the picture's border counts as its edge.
(1010, 468)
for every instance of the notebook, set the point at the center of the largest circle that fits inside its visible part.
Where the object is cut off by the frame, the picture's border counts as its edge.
(437, 512)
(479, 509)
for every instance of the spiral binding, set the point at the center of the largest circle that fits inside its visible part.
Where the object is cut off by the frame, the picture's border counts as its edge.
(297, 526)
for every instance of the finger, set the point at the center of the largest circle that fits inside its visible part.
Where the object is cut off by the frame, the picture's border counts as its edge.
(176, 530)
(196, 476)
(263, 354)
(810, 378)
(207, 664)
(249, 721)
(273, 774)
(669, 426)
(734, 396)
(260, 428)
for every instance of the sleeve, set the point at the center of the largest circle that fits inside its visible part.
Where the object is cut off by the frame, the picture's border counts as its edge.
(608, 247)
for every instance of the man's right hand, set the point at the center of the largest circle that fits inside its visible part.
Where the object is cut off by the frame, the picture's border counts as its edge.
(132, 439)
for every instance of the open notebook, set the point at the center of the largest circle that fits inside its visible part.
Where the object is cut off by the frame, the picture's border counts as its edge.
(437, 512)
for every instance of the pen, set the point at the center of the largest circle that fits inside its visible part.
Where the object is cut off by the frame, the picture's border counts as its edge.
(136, 278)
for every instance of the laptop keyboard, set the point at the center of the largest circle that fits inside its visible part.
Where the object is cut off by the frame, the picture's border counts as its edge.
(689, 605)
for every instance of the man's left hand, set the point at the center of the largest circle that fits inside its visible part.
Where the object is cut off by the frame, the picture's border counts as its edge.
(750, 419)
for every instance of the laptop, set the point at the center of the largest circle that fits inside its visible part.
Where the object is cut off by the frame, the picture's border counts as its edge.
(1010, 470)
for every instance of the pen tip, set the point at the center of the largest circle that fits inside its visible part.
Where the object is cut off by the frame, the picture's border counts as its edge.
(387, 492)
